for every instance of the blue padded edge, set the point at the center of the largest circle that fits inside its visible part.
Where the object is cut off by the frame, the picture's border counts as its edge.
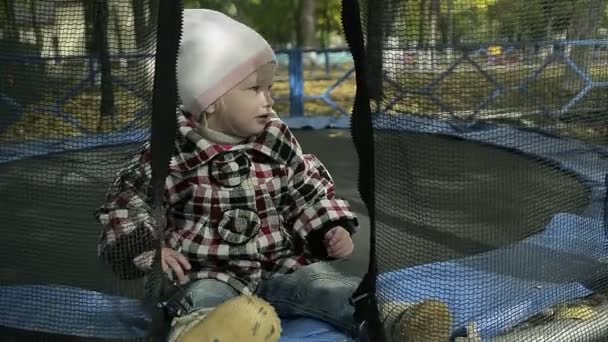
(78, 312)
(16, 151)
(72, 311)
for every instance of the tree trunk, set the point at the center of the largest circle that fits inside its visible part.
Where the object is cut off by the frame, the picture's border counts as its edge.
(325, 30)
(584, 24)
(306, 24)
(434, 13)
(144, 21)
(107, 107)
(36, 25)
(12, 33)
(139, 21)
(89, 20)
(450, 38)
(422, 24)
(450, 31)
(547, 7)
(429, 32)
(117, 28)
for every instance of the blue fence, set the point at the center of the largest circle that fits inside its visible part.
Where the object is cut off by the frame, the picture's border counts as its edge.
(294, 61)
(559, 55)
(296, 81)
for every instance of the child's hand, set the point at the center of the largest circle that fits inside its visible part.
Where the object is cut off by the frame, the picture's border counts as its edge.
(175, 263)
(338, 243)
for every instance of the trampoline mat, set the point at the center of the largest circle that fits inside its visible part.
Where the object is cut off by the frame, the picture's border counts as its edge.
(50, 202)
(439, 197)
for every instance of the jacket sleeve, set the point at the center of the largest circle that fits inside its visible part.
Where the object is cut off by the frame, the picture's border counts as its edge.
(311, 206)
(126, 241)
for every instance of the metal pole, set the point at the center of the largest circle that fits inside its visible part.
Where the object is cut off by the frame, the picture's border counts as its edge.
(296, 83)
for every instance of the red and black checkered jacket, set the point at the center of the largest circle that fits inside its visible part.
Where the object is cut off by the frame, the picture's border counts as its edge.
(239, 213)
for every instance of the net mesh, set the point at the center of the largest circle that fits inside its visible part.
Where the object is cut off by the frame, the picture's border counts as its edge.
(75, 101)
(490, 154)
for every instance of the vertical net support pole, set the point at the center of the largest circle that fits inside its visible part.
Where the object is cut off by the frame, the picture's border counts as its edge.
(164, 125)
(364, 297)
(375, 43)
(606, 212)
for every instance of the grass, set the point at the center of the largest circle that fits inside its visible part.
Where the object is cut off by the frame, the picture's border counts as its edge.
(40, 121)
(463, 89)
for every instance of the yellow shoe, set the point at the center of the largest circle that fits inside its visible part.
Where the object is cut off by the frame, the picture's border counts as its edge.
(240, 319)
(427, 321)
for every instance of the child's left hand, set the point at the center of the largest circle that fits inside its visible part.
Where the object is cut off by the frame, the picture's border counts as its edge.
(338, 243)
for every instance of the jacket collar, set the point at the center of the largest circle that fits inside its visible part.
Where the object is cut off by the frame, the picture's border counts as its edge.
(193, 150)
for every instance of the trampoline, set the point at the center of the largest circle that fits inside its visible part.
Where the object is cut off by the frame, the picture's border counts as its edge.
(498, 221)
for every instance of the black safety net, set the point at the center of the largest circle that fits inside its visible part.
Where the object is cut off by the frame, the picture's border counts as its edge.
(83, 84)
(481, 127)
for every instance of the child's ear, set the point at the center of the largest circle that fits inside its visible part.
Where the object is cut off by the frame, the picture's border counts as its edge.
(210, 109)
(215, 107)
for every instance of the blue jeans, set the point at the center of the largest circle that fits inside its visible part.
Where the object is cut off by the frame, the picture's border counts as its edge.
(315, 291)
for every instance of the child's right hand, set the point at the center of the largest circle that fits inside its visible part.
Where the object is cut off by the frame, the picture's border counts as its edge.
(175, 265)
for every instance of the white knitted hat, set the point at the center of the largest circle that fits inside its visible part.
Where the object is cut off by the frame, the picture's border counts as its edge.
(216, 53)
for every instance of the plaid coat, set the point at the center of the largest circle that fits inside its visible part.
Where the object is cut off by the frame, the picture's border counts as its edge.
(239, 213)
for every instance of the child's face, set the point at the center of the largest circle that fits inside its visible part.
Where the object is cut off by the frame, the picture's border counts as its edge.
(247, 107)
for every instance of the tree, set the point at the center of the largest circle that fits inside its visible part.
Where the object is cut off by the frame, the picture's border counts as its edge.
(422, 13)
(216, 5)
(329, 21)
(450, 25)
(588, 16)
(532, 20)
(428, 32)
(116, 27)
(36, 24)
(275, 20)
(138, 21)
(96, 26)
(434, 11)
(282, 22)
(305, 31)
(12, 34)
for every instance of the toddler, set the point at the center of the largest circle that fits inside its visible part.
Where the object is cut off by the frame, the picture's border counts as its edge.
(247, 211)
